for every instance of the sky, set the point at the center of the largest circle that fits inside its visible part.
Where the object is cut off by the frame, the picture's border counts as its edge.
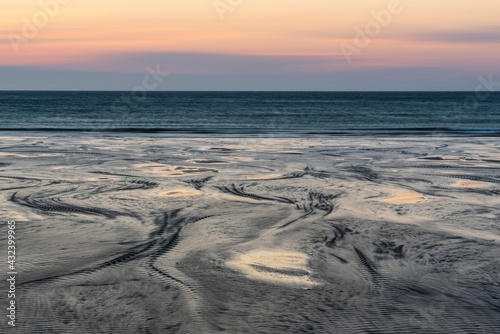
(328, 45)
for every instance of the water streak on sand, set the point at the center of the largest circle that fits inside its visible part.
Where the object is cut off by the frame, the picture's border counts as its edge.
(172, 170)
(272, 176)
(15, 154)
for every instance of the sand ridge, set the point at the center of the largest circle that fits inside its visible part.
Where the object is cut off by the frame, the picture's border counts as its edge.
(404, 197)
(472, 184)
(275, 266)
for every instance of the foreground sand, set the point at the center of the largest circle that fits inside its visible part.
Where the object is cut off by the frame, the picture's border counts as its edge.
(331, 235)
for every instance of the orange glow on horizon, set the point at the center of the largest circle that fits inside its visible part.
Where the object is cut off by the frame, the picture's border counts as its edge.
(82, 31)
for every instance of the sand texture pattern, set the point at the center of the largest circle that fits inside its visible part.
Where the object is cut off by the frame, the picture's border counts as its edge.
(305, 235)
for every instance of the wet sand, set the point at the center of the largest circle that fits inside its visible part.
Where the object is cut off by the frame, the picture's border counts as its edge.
(314, 235)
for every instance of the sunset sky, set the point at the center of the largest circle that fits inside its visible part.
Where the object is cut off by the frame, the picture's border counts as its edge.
(249, 45)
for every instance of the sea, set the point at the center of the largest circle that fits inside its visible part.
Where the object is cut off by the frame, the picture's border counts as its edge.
(252, 113)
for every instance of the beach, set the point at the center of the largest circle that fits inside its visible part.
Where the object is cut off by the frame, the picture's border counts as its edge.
(149, 234)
